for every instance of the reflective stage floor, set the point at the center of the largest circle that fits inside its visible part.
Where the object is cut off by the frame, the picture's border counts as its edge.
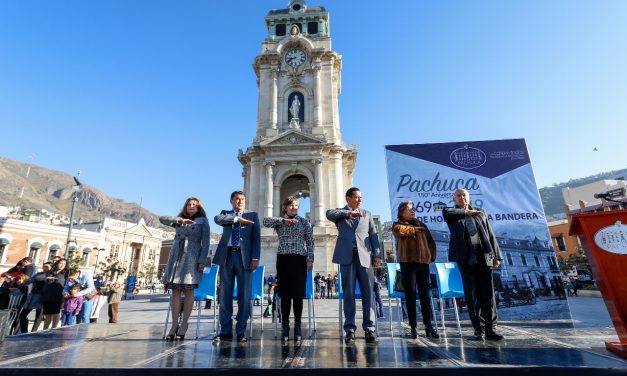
(134, 347)
(120, 348)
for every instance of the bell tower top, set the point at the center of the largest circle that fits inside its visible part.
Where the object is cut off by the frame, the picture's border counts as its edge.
(312, 22)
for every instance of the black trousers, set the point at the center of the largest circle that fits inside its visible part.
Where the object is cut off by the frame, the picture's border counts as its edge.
(479, 295)
(24, 320)
(415, 274)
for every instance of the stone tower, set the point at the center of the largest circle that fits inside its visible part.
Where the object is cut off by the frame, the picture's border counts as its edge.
(298, 148)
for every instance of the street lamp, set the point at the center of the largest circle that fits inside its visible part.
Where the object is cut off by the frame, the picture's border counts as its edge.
(75, 189)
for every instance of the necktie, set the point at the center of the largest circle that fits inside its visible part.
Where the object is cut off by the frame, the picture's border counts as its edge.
(235, 233)
(471, 226)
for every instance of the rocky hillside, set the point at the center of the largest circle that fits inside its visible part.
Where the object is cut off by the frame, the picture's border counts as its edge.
(51, 190)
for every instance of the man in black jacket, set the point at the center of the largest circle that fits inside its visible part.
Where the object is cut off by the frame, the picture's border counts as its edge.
(474, 247)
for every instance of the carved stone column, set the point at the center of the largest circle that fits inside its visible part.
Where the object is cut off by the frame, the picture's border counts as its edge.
(267, 212)
(273, 99)
(317, 121)
(319, 204)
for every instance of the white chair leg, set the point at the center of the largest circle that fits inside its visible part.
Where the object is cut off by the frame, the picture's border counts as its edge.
(341, 319)
(261, 311)
(390, 314)
(215, 322)
(442, 315)
(313, 311)
(459, 327)
(309, 317)
(252, 305)
(167, 316)
(198, 317)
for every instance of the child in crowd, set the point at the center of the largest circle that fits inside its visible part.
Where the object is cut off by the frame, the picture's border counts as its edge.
(71, 306)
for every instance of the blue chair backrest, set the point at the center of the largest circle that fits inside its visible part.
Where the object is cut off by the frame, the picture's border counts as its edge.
(309, 288)
(449, 280)
(258, 275)
(340, 290)
(257, 280)
(208, 286)
(392, 269)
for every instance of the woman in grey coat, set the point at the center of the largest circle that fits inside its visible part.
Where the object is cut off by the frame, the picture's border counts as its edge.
(186, 262)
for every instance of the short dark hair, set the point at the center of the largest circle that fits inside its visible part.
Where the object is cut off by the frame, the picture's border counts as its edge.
(73, 271)
(352, 190)
(237, 193)
(287, 202)
(401, 207)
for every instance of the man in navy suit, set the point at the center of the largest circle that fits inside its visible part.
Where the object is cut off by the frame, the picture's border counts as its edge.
(356, 250)
(238, 256)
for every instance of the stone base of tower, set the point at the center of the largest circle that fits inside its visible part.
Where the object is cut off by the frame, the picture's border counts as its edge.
(324, 240)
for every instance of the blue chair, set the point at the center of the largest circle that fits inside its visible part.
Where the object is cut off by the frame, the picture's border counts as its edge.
(450, 286)
(310, 295)
(207, 290)
(256, 293)
(340, 296)
(392, 269)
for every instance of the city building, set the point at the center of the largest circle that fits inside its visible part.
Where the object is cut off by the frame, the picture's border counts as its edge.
(582, 199)
(42, 242)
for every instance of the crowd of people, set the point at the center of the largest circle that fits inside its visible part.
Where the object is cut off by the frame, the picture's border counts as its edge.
(58, 296)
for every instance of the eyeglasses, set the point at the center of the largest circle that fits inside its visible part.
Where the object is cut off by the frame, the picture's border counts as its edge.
(410, 209)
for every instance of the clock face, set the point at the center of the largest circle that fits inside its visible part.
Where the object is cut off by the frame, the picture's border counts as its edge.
(295, 57)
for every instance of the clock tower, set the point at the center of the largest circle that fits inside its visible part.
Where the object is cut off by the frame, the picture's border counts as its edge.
(298, 148)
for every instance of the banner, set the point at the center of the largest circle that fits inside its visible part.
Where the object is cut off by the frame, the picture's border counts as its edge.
(499, 178)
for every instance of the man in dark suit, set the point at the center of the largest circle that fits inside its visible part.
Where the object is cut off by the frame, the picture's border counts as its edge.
(356, 250)
(238, 256)
(473, 246)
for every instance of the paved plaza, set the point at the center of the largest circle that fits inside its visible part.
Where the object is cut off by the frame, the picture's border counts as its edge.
(136, 342)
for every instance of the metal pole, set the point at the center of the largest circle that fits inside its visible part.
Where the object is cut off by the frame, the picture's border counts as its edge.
(69, 231)
(75, 189)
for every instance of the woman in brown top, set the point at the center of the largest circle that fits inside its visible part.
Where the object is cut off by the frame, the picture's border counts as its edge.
(415, 249)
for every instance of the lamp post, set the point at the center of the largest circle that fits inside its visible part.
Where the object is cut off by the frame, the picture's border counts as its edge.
(75, 189)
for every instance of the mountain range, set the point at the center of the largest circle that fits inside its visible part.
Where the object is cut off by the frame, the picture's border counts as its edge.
(51, 190)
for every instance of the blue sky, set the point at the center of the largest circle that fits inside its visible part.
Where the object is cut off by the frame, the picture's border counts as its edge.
(152, 99)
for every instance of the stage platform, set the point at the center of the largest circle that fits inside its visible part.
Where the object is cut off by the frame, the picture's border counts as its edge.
(530, 347)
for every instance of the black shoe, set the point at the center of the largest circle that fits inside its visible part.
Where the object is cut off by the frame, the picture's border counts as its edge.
(222, 338)
(491, 335)
(371, 337)
(431, 332)
(349, 338)
(413, 334)
(478, 334)
(180, 334)
(242, 338)
(169, 338)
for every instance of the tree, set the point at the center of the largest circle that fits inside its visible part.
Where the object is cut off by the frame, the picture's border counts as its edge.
(149, 272)
(75, 261)
(111, 268)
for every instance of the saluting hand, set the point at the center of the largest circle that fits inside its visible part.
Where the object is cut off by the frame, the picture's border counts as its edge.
(290, 221)
(472, 212)
(354, 214)
(245, 221)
